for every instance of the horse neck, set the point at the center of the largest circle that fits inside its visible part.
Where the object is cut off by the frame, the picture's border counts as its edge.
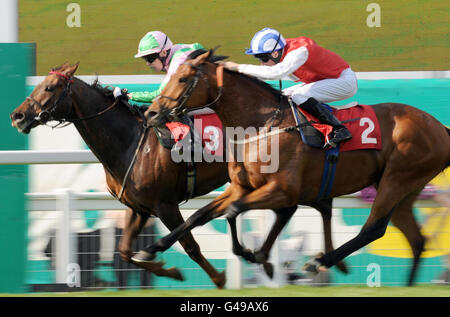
(111, 136)
(244, 103)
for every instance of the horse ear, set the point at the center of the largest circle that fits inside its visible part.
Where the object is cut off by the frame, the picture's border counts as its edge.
(201, 58)
(70, 70)
(215, 58)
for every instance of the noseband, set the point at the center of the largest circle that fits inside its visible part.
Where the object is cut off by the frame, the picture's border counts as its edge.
(181, 109)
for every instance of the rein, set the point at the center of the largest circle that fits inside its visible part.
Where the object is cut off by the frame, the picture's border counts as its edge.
(145, 127)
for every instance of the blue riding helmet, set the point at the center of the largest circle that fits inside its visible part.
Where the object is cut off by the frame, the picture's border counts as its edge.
(266, 41)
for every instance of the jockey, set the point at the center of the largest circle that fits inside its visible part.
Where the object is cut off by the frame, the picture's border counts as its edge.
(160, 54)
(326, 76)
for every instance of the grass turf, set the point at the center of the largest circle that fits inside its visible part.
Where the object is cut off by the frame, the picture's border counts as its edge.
(287, 291)
(413, 34)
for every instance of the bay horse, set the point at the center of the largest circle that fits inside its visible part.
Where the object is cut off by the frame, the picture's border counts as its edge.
(415, 148)
(117, 134)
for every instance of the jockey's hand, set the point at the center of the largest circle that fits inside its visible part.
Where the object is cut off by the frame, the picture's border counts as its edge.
(117, 92)
(121, 92)
(230, 66)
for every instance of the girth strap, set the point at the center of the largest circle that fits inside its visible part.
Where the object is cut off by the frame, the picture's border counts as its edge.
(331, 158)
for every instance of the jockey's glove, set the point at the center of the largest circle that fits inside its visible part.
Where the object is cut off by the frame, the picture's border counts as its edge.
(120, 92)
(117, 92)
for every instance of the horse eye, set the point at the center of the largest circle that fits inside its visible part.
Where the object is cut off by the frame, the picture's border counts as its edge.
(49, 88)
(183, 79)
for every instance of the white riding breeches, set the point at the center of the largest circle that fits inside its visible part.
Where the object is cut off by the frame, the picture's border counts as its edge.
(326, 90)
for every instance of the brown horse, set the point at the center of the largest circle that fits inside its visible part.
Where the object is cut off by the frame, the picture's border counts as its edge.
(155, 185)
(415, 148)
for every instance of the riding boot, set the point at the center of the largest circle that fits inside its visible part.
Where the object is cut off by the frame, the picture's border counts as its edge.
(340, 133)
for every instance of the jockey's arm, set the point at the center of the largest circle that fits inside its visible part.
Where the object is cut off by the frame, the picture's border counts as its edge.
(148, 96)
(145, 96)
(292, 61)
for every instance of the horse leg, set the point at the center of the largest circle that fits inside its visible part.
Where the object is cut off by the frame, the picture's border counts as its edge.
(404, 220)
(325, 209)
(134, 222)
(269, 196)
(172, 220)
(261, 256)
(393, 188)
(214, 209)
(283, 216)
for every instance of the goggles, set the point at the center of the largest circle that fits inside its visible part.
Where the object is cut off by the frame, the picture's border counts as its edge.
(151, 58)
(264, 57)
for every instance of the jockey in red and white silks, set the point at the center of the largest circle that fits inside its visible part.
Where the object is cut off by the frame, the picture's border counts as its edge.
(325, 76)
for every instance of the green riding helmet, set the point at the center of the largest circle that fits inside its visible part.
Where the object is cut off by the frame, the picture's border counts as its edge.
(153, 42)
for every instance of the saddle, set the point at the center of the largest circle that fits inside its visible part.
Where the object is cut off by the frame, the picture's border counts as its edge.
(173, 132)
(169, 135)
(360, 120)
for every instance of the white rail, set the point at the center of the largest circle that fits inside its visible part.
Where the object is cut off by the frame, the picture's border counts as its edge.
(47, 157)
(68, 201)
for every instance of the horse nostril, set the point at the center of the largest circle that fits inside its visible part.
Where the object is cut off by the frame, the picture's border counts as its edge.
(150, 114)
(17, 116)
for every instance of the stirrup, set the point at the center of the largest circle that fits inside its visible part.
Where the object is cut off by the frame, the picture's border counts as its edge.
(329, 143)
(333, 142)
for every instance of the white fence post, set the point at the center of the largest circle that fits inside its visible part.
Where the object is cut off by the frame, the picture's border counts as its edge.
(65, 243)
(234, 264)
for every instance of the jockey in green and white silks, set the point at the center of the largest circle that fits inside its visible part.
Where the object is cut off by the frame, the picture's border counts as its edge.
(161, 55)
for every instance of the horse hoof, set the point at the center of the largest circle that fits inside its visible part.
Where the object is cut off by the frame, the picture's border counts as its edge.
(313, 266)
(143, 256)
(341, 266)
(248, 255)
(260, 257)
(310, 268)
(220, 280)
(268, 268)
(175, 274)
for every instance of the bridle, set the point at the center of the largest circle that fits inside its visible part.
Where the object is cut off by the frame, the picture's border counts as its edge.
(47, 114)
(181, 109)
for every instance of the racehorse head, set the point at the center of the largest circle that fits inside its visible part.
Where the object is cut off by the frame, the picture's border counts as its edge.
(188, 89)
(48, 101)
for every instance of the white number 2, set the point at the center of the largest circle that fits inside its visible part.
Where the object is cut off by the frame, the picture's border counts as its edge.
(367, 131)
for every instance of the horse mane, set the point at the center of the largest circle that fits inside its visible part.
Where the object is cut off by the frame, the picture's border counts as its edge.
(215, 58)
(107, 91)
(258, 82)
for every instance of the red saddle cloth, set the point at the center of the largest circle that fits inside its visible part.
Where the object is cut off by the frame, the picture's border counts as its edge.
(208, 126)
(361, 122)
